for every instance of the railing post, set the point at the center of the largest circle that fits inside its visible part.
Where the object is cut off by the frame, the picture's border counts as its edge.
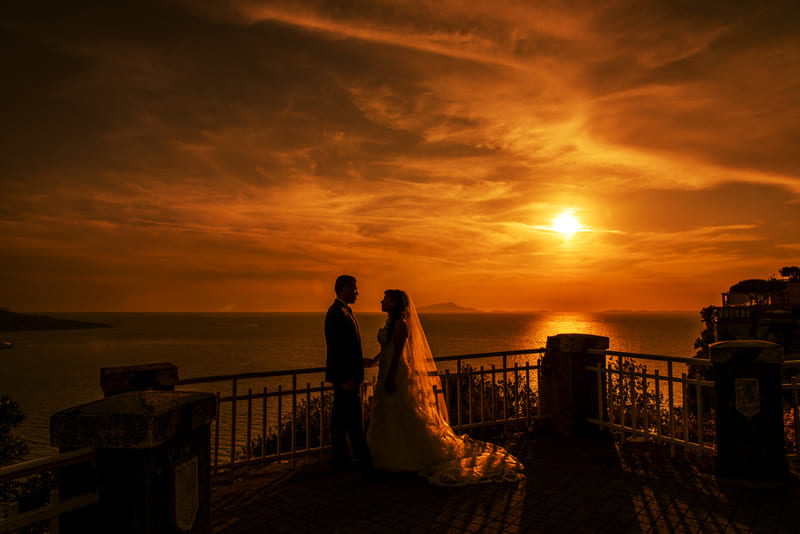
(749, 414)
(152, 459)
(568, 392)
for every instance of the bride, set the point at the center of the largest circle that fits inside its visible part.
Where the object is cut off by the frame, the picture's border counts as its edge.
(406, 431)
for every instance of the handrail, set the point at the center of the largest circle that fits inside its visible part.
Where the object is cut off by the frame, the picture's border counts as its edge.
(657, 357)
(47, 463)
(678, 359)
(245, 376)
(488, 355)
(55, 506)
(316, 370)
(51, 512)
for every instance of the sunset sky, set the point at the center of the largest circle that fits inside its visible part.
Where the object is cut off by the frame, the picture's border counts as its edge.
(237, 156)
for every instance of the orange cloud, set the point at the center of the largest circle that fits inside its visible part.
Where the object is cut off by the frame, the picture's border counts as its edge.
(239, 156)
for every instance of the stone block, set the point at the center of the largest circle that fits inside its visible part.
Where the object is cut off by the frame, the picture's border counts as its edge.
(568, 392)
(152, 462)
(157, 376)
(749, 410)
(133, 420)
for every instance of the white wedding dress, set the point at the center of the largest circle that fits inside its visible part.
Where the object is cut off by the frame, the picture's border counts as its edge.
(407, 433)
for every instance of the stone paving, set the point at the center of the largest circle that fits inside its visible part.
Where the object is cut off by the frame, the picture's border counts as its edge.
(571, 485)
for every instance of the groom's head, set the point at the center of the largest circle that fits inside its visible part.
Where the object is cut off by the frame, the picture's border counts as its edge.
(345, 288)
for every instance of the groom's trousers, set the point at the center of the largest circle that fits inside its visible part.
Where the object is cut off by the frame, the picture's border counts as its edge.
(346, 420)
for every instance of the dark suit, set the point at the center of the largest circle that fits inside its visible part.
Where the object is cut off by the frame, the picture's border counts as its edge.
(345, 363)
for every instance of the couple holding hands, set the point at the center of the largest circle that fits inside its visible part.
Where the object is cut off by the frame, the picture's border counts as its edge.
(407, 431)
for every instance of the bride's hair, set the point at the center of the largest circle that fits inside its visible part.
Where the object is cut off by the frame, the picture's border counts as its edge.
(400, 299)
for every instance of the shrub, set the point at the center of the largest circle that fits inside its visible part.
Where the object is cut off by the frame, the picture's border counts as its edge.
(482, 400)
(30, 492)
(629, 402)
(259, 446)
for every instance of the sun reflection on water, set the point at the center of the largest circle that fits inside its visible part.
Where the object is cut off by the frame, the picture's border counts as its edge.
(627, 332)
(572, 323)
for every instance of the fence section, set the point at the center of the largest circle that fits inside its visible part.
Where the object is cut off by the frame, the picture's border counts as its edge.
(266, 416)
(665, 399)
(479, 396)
(49, 506)
(284, 415)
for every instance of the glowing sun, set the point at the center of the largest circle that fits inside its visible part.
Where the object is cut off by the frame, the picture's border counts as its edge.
(566, 224)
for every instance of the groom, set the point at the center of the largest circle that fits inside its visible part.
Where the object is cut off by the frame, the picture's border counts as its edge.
(345, 369)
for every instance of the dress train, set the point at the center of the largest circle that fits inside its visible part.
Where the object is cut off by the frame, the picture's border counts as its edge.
(407, 432)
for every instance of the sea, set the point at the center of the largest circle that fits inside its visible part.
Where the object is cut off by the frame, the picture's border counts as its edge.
(52, 370)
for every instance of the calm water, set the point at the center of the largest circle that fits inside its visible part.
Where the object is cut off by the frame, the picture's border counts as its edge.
(52, 370)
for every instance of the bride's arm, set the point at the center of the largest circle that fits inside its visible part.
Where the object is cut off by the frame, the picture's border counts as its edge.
(399, 337)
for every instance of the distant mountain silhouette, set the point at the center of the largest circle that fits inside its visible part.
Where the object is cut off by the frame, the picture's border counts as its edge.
(446, 307)
(14, 322)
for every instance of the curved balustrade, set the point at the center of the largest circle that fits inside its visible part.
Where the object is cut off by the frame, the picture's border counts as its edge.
(282, 415)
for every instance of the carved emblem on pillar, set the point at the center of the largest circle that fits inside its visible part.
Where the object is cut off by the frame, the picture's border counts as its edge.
(186, 494)
(747, 397)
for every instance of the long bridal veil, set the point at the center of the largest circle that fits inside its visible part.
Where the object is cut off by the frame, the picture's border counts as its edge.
(458, 460)
(424, 377)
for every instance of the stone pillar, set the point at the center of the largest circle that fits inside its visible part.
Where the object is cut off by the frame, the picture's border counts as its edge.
(568, 393)
(152, 461)
(162, 376)
(749, 415)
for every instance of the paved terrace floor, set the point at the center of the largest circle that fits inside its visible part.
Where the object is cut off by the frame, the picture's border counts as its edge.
(571, 485)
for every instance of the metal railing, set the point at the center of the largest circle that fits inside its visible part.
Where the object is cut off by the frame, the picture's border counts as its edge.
(665, 405)
(11, 519)
(659, 403)
(285, 415)
(280, 416)
(476, 399)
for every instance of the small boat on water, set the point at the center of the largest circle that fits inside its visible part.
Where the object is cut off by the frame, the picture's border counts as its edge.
(6, 345)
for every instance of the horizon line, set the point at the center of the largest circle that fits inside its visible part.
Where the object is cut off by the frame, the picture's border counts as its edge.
(421, 309)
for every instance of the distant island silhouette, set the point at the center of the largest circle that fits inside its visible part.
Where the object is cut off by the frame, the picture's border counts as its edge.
(446, 307)
(15, 322)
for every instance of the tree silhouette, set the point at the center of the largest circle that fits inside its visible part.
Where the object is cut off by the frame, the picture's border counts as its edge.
(792, 273)
(12, 447)
(757, 289)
